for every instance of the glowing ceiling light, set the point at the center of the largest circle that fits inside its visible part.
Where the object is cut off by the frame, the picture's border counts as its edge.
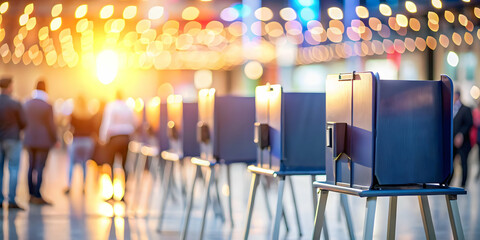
(362, 12)
(57, 9)
(253, 70)
(81, 11)
(402, 20)
(437, 3)
(476, 10)
(202, 79)
(23, 19)
(56, 23)
(335, 13)
(28, 9)
(288, 14)
(452, 59)
(3, 7)
(229, 14)
(475, 92)
(155, 12)
(31, 23)
(307, 14)
(107, 66)
(449, 16)
(190, 13)
(466, 0)
(306, 3)
(263, 14)
(130, 12)
(410, 6)
(106, 12)
(385, 10)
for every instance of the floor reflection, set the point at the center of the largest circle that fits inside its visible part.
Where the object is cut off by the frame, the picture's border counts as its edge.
(86, 214)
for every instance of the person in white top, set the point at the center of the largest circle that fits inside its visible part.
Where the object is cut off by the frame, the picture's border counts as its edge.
(118, 124)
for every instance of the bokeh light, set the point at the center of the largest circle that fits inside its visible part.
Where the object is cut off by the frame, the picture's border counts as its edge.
(107, 66)
(155, 12)
(452, 59)
(253, 70)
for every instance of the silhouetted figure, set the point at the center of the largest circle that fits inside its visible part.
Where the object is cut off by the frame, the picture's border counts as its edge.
(83, 128)
(118, 124)
(12, 121)
(462, 122)
(40, 136)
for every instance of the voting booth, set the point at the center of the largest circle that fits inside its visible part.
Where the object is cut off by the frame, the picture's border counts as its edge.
(182, 118)
(389, 138)
(388, 132)
(181, 127)
(289, 133)
(225, 135)
(289, 128)
(225, 127)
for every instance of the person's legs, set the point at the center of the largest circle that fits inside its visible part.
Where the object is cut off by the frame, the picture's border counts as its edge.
(14, 149)
(31, 166)
(41, 159)
(464, 158)
(71, 154)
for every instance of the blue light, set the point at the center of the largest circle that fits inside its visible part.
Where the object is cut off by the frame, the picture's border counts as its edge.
(307, 14)
(305, 3)
(243, 10)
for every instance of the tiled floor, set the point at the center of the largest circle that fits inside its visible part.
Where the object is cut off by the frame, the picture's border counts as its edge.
(86, 216)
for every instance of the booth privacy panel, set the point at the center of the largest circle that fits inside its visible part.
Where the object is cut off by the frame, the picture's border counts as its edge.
(189, 140)
(162, 130)
(398, 132)
(234, 120)
(296, 124)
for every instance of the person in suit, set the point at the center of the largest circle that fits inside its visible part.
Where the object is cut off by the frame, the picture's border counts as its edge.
(12, 121)
(40, 136)
(462, 122)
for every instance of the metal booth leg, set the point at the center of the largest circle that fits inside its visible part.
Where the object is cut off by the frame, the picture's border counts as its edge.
(165, 189)
(392, 218)
(348, 217)
(183, 181)
(218, 208)
(314, 194)
(426, 217)
(153, 168)
(370, 217)
(251, 202)
(267, 203)
(229, 183)
(279, 211)
(210, 180)
(320, 215)
(189, 205)
(454, 215)
(295, 206)
(138, 174)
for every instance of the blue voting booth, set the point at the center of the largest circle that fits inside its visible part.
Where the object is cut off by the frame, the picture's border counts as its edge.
(289, 133)
(389, 138)
(180, 128)
(224, 133)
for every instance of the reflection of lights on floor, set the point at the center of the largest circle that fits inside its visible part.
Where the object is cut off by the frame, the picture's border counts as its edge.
(118, 184)
(105, 209)
(119, 228)
(106, 186)
(119, 209)
(225, 190)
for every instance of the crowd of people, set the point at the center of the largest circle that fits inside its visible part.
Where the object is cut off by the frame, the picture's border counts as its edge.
(31, 126)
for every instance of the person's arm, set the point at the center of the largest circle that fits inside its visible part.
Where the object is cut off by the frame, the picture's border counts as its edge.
(51, 125)
(467, 122)
(22, 119)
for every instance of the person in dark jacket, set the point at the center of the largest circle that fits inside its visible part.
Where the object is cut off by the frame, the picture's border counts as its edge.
(40, 136)
(462, 122)
(12, 121)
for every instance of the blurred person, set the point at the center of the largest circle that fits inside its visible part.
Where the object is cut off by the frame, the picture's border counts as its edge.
(83, 126)
(12, 121)
(476, 132)
(118, 124)
(40, 136)
(462, 122)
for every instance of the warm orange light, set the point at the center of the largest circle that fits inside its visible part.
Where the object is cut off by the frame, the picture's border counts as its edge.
(263, 14)
(385, 10)
(155, 12)
(57, 9)
(106, 186)
(3, 7)
(335, 13)
(28, 9)
(288, 14)
(106, 12)
(118, 184)
(130, 12)
(253, 70)
(31, 23)
(190, 13)
(410, 6)
(56, 23)
(107, 66)
(362, 12)
(23, 19)
(81, 11)
(437, 3)
(402, 20)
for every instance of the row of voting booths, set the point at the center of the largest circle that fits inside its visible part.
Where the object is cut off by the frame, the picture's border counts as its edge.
(370, 137)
